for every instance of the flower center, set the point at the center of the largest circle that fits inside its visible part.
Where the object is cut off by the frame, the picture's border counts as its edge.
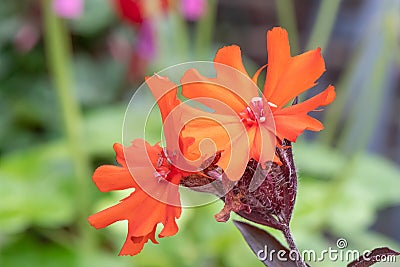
(255, 112)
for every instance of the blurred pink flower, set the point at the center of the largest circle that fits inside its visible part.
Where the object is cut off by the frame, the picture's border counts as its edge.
(27, 36)
(144, 51)
(68, 9)
(145, 44)
(193, 9)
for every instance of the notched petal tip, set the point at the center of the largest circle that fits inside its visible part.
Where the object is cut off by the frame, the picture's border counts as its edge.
(109, 178)
(119, 153)
(92, 222)
(228, 50)
(277, 31)
(134, 244)
(230, 56)
(330, 95)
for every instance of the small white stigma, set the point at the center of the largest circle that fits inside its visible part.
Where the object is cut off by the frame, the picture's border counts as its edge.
(272, 104)
(257, 109)
(256, 99)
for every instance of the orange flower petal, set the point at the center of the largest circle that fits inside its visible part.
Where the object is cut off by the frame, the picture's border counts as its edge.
(239, 151)
(108, 178)
(232, 85)
(118, 212)
(200, 129)
(143, 211)
(231, 56)
(251, 134)
(133, 245)
(263, 144)
(165, 93)
(278, 58)
(195, 86)
(174, 113)
(291, 126)
(257, 74)
(292, 121)
(143, 155)
(149, 212)
(322, 99)
(119, 151)
(170, 226)
(289, 76)
(219, 133)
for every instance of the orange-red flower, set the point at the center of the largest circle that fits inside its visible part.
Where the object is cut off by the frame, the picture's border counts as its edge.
(143, 210)
(186, 129)
(287, 77)
(241, 131)
(149, 171)
(244, 124)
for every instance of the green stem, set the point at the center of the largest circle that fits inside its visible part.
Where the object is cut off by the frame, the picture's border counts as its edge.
(334, 113)
(182, 36)
(323, 25)
(287, 18)
(58, 50)
(369, 100)
(205, 30)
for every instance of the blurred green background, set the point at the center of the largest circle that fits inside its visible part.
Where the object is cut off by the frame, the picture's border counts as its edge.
(65, 84)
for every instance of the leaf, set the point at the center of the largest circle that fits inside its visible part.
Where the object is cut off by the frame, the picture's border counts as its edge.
(43, 252)
(36, 253)
(374, 256)
(36, 188)
(325, 177)
(317, 160)
(106, 124)
(265, 246)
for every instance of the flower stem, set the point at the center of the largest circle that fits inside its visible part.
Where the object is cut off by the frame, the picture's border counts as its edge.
(205, 30)
(323, 25)
(292, 246)
(182, 34)
(58, 52)
(287, 18)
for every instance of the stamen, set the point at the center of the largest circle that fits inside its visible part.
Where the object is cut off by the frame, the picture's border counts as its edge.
(158, 176)
(161, 174)
(272, 104)
(255, 113)
(162, 168)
